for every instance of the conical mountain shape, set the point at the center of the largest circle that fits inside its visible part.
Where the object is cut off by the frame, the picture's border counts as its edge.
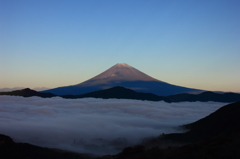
(123, 75)
(118, 73)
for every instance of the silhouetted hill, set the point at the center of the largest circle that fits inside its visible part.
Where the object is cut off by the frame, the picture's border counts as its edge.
(205, 96)
(225, 120)
(28, 93)
(11, 150)
(118, 93)
(213, 137)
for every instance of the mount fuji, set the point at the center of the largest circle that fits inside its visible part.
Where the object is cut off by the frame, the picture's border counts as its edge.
(123, 75)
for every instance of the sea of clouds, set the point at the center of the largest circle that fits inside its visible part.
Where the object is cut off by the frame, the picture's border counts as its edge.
(97, 126)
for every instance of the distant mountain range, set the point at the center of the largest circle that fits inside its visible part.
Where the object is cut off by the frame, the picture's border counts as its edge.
(119, 92)
(126, 76)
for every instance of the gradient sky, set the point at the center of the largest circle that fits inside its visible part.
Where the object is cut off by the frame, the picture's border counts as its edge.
(52, 43)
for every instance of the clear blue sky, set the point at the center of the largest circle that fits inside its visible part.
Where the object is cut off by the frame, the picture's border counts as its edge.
(52, 43)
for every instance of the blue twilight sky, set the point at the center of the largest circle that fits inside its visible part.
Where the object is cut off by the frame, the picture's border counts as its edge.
(52, 43)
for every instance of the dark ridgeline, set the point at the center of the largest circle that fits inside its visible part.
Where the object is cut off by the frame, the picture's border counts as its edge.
(119, 92)
(125, 93)
(28, 93)
(205, 97)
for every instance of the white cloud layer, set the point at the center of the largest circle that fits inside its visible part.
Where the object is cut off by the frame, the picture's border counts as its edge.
(97, 126)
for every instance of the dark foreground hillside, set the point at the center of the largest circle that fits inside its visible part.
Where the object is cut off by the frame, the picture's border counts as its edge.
(216, 136)
(218, 147)
(225, 120)
(11, 150)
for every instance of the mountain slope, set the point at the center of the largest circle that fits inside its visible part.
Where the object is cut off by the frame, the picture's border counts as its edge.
(125, 76)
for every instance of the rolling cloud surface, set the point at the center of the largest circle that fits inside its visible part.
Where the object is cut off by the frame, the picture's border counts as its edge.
(96, 126)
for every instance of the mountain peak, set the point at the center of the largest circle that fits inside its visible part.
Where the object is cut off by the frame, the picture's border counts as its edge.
(121, 72)
(122, 65)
